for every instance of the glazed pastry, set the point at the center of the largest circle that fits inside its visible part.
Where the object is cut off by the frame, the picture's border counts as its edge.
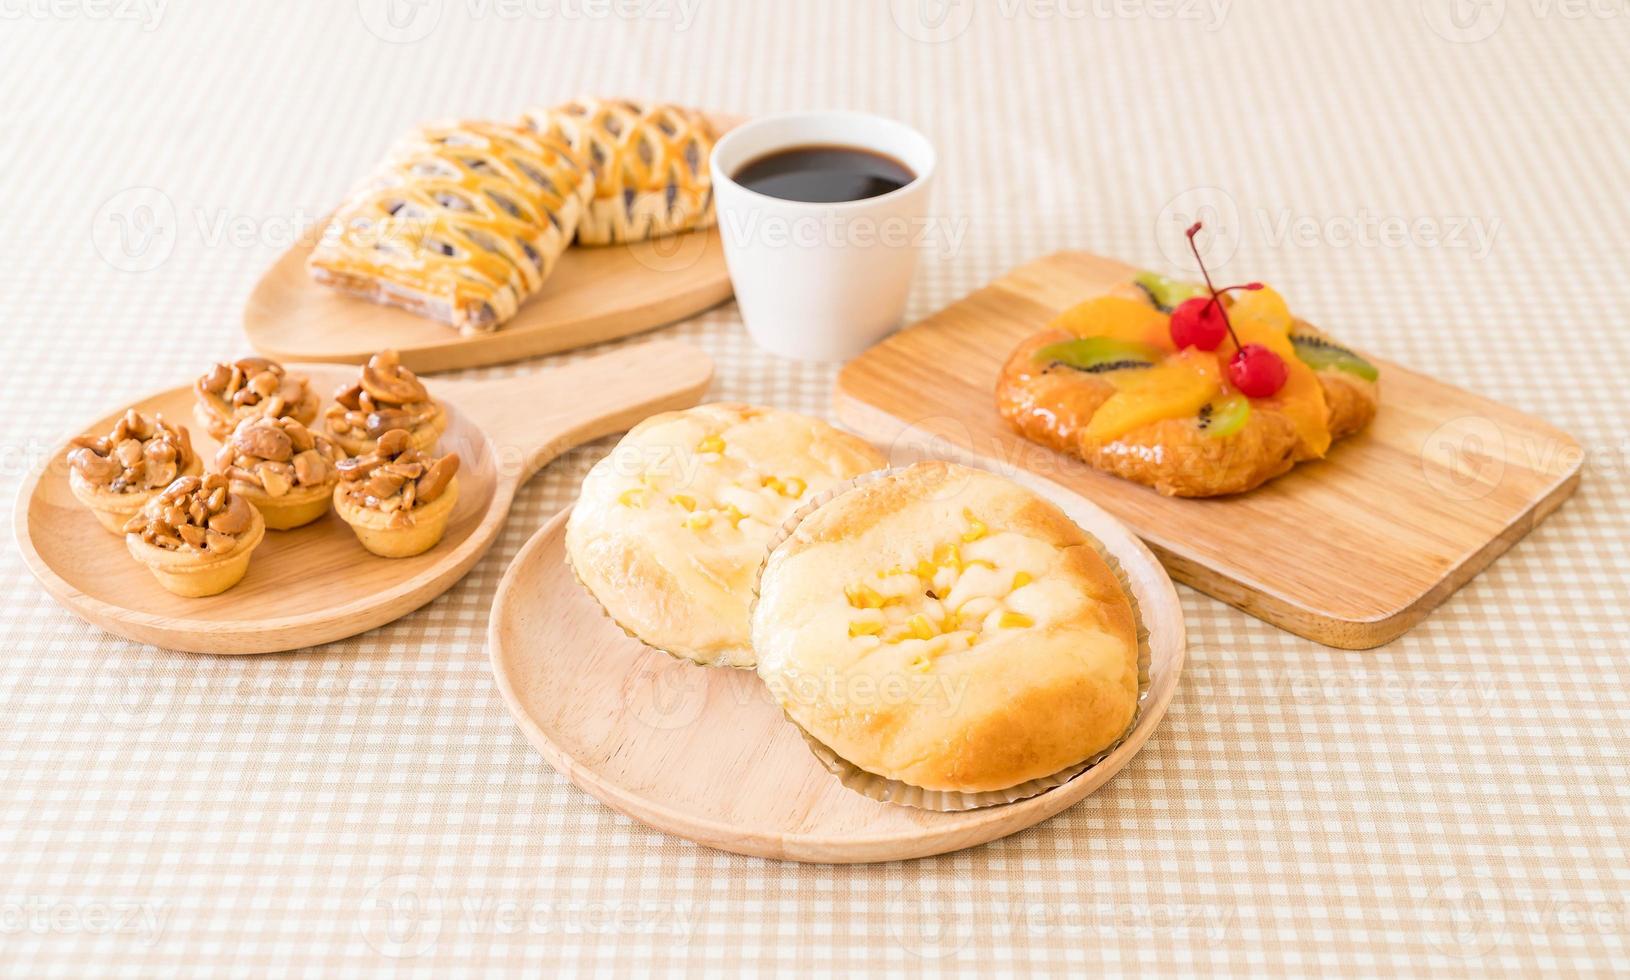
(387, 396)
(461, 223)
(117, 474)
(948, 629)
(196, 536)
(397, 499)
(285, 471)
(650, 166)
(669, 530)
(249, 388)
(1110, 382)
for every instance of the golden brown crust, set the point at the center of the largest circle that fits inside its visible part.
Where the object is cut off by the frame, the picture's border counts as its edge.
(1053, 406)
(949, 629)
(649, 161)
(461, 223)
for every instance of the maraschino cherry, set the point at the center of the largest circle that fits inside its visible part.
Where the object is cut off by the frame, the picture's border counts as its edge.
(1203, 323)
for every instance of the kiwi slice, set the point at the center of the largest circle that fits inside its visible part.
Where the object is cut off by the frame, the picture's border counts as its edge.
(1099, 354)
(1165, 292)
(1224, 417)
(1318, 354)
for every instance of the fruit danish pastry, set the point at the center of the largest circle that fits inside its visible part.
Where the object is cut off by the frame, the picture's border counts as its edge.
(650, 166)
(461, 223)
(1193, 391)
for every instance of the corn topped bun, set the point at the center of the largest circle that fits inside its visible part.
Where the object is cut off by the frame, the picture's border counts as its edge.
(669, 530)
(949, 629)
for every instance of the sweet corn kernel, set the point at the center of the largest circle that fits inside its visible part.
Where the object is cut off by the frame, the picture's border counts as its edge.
(927, 570)
(921, 662)
(980, 563)
(976, 527)
(1014, 620)
(1022, 579)
(734, 513)
(948, 555)
(698, 521)
(864, 597)
(632, 497)
(684, 500)
(921, 628)
(710, 444)
(865, 629)
(794, 487)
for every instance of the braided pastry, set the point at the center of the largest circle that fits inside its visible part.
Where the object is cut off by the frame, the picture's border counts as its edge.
(461, 223)
(650, 166)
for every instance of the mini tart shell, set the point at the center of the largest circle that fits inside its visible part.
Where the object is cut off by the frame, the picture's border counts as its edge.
(297, 508)
(424, 436)
(192, 575)
(114, 510)
(373, 528)
(885, 790)
(220, 429)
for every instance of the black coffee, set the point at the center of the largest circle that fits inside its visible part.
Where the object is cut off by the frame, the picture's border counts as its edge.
(824, 174)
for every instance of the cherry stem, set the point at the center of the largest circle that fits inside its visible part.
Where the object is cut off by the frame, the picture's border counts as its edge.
(1216, 294)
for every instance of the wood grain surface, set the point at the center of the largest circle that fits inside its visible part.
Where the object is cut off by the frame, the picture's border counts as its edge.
(1351, 550)
(706, 754)
(316, 584)
(594, 295)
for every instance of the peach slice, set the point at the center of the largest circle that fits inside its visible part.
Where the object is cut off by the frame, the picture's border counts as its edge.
(1117, 318)
(1175, 388)
(1302, 397)
(1264, 306)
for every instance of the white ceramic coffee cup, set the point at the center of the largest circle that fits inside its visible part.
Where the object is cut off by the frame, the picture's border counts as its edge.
(821, 282)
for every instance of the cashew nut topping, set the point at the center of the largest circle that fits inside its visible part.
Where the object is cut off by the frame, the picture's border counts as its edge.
(387, 397)
(140, 454)
(194, 514)
(248, 388)
(277, 455)
(395, 477)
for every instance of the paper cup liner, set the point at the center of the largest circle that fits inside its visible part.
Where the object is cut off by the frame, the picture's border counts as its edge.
(885, 790)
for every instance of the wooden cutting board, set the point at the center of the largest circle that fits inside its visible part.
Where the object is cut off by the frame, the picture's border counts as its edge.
(1352, 550)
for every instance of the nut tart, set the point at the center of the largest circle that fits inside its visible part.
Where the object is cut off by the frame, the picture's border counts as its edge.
(386, 396)
(249, 388)
(670, 529)
(943, 628)
(461, 223)
(397, 498)
(196, 536)
(1194, 394)
(285, 471)
(650, 164)
(115, 475)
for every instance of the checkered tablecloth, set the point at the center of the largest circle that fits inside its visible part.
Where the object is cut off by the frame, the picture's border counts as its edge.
(1441, 182)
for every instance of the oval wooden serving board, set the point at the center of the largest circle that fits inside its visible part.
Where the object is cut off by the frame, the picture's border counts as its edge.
(594, 295)
(705, 753)
(1351, 550)
(316, 584)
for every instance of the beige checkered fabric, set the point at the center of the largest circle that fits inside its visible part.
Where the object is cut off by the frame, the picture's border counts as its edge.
(1441, 182)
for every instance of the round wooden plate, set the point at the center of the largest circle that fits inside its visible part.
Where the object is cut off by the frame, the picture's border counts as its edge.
(704, 753)
(316, 584)
(594, 295)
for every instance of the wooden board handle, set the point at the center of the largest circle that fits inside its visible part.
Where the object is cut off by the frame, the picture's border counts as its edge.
(535, 417)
